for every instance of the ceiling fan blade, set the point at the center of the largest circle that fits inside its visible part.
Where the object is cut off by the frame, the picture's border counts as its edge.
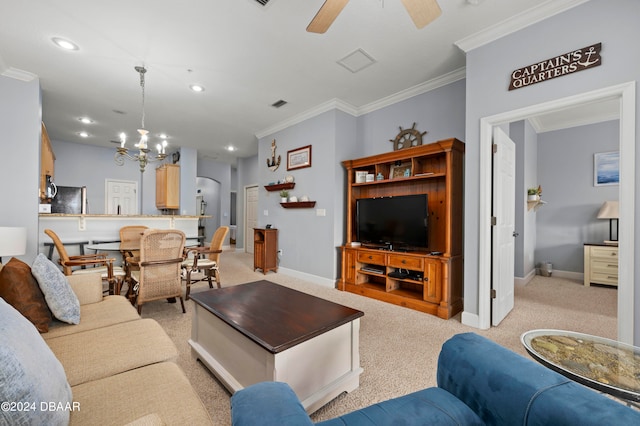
(326, 15)
(422, 12)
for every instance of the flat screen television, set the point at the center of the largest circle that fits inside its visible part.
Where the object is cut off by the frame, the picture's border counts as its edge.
(395, 223)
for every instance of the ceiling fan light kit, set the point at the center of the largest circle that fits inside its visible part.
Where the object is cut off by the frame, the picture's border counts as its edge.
(422, 13)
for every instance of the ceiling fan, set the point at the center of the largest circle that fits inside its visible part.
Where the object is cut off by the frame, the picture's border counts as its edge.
(422, 12)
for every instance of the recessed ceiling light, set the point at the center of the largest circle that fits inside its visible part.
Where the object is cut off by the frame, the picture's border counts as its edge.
(231, 148)
(83, 134)
(162, 136)
(65, 44)
(85, 120)
(196, 88)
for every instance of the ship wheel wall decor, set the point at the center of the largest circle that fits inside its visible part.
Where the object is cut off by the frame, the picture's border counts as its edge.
(407, 138)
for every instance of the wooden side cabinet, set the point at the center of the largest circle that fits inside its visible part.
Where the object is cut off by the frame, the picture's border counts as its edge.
(168, 186)
(600, 264)
(265, 249)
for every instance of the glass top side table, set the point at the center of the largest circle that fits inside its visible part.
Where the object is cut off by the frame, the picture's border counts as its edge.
(606, 365)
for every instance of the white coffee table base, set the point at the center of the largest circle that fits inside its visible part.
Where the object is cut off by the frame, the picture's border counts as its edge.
(318, 369)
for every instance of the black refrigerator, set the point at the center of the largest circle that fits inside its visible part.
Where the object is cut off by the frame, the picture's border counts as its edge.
(70, 200)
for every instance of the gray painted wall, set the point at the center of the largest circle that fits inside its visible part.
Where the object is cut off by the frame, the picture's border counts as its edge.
(20, 172)
(310, 242)
(488, 69)
(565, 171)
(439, 112)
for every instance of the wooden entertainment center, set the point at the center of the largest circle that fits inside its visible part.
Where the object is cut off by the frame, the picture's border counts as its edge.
(429, 281)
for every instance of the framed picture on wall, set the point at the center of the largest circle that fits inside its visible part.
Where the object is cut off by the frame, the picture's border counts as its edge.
(299, 158)
(606, 168)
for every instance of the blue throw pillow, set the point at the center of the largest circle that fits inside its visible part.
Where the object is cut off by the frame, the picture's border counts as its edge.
(57, 291)
(31, 377)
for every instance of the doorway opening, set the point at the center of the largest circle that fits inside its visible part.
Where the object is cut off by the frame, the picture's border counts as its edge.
(208, 204)
(625, 93)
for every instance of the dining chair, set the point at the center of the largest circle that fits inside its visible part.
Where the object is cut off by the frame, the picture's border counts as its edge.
(160, 263)
(130, 249)
(93, 263)
(205, 260)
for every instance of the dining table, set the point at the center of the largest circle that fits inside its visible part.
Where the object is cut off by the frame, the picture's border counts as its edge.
(130, 246)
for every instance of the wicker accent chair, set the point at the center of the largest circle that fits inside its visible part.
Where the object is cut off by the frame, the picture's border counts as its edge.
(205, 260)
(160, 263)
(92, 263)
(129, 248)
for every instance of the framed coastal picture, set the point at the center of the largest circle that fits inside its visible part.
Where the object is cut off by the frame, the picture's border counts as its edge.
(299, 158)
(400, 170)
(606, 168)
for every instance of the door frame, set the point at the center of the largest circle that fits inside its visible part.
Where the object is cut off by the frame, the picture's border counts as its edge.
(626, 92)
(247, 235)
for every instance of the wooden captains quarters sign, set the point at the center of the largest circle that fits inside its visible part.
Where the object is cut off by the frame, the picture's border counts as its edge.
(567, 63)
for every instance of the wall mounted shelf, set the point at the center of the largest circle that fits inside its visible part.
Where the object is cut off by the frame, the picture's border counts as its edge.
(535, 205)
(299, 205)
(280, 186)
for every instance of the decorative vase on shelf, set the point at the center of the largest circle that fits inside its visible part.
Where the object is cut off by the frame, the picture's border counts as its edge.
(283, 199)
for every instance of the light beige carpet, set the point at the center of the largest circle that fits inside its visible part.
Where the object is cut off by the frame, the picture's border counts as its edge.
(398, 346)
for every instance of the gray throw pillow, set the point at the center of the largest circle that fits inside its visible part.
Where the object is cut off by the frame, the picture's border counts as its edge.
(32, 377)
(57, 291)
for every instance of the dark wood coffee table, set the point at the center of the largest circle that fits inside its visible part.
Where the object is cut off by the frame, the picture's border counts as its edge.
(262, 331)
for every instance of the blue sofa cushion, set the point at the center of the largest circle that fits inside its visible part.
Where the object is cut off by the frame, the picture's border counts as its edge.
(504, 388)
(268, 404)
(429, 406)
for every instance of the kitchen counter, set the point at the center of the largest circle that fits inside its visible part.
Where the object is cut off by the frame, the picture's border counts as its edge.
(106, 227)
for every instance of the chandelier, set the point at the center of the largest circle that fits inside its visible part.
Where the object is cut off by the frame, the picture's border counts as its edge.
(142, 157)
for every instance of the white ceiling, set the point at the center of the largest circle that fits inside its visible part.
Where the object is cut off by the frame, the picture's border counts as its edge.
(247, 56)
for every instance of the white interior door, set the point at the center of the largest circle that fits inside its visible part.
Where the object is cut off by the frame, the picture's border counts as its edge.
(251, 215)
(502, 252)
(122, 194)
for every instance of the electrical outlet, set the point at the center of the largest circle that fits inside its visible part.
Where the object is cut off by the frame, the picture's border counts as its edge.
(279, 252)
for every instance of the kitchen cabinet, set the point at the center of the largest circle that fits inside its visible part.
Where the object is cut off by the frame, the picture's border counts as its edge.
(168, 186)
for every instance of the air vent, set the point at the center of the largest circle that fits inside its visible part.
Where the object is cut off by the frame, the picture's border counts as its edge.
(263, 2)
(279, 103)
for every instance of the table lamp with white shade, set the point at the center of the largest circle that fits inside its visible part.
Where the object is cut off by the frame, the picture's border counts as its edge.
(609, 210)
(13, 241)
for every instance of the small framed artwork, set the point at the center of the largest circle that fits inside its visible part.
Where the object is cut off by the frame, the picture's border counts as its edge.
(606, 168)
(299, 158)
(400, 170)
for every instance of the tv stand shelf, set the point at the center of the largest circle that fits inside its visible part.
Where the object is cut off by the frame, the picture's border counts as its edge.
(416, 280)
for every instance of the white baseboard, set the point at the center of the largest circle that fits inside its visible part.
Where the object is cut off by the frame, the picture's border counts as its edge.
(570, 275)
(526, 279)
(325, 282)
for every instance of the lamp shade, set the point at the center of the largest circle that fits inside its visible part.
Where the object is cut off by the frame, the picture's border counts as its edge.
(13, 241)
(609, 210)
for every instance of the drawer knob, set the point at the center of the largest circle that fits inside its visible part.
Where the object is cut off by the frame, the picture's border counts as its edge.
(370, 257)
(404, 261)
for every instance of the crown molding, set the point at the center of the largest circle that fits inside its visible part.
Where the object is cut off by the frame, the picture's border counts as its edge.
(320, 109)
(522, 20)
(337, 104)
(419, 89)
(18, 74)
